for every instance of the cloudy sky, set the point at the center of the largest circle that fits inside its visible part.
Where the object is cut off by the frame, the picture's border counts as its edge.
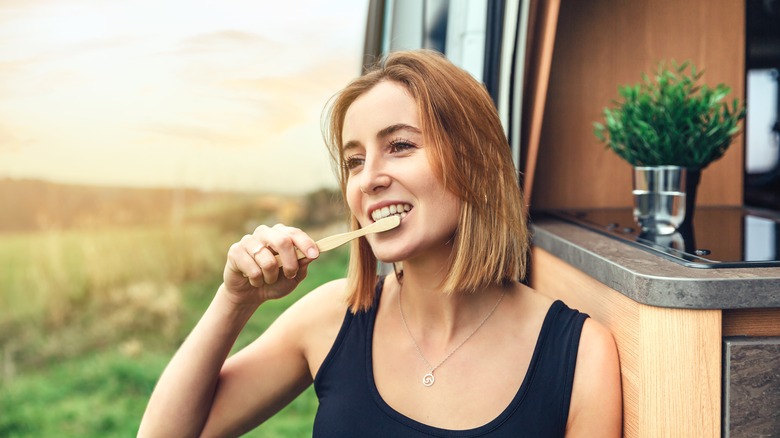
(221, 94)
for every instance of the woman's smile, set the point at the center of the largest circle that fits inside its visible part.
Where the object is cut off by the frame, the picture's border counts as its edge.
(400, 209)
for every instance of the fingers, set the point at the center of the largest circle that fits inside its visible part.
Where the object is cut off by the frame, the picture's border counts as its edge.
(240, 268)
(268, 266)
(284, 242)
(303, 271)
(262, 248)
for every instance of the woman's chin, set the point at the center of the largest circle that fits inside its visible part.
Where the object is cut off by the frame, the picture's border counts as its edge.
(388, 259)
(389, 256)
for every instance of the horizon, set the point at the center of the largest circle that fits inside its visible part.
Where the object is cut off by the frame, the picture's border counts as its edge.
(239, 191)
(193, 95)
(80, 185)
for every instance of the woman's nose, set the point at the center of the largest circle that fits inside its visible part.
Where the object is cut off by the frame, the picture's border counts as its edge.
(373, 177)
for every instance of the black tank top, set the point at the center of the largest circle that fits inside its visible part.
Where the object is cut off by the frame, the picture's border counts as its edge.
(350, 404)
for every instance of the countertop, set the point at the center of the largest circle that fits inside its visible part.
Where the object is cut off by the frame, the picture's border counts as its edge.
(651, 279)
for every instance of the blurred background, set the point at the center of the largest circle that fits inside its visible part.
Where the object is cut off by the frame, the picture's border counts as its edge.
(138, 140)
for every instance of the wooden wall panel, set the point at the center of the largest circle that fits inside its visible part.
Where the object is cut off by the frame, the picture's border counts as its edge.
(601, 44)
(680, 372)
(541, 41)
(751, 322)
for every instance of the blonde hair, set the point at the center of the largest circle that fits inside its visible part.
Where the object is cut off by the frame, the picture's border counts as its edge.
(469, 154)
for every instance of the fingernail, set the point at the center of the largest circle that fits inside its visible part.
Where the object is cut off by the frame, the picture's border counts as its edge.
(311, 253)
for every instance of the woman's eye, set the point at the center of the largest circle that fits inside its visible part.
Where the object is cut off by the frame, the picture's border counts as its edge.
(401, 145)
(353, 162)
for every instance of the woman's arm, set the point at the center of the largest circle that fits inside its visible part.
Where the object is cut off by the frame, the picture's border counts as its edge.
(195, 386)
(182, 398)
(266, 375)
(596, 408)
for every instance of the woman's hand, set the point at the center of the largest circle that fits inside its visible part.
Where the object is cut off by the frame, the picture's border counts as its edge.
(252, 273)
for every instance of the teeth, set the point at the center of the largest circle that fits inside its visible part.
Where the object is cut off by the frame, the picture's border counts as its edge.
(399, 209)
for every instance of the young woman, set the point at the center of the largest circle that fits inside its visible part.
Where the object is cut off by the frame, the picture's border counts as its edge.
(452, 344)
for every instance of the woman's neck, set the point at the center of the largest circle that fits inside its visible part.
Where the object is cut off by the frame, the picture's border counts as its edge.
(437, 317)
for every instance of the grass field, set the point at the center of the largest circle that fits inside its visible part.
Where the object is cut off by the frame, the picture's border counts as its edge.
(89, 319)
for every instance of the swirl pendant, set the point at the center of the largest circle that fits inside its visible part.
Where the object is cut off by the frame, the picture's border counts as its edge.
(428, 379)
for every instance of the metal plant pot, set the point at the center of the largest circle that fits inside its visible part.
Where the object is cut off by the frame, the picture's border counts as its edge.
(659, 198)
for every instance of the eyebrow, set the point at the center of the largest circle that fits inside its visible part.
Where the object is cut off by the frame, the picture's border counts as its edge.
(384, 132)
(395, 128)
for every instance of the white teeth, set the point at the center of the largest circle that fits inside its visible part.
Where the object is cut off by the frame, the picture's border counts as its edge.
(383, 212)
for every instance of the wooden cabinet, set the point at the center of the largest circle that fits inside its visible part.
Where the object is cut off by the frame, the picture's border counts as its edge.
(670, 358)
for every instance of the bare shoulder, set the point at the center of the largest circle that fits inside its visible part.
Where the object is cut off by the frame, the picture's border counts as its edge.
(323, 306)
(323, 301)
(596, 403)
(534, 303)
(313, 322)
(597, 354)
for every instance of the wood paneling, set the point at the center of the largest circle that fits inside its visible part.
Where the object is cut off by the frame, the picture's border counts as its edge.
(601, 44)
(680, 372)
(541, 40)
(751, 322)
(670, 359)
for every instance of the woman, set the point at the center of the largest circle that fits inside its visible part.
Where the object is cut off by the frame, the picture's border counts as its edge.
(452, 344)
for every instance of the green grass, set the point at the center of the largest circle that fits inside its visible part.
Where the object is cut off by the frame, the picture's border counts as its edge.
(97, 395)
(104, 395)
(89, 321)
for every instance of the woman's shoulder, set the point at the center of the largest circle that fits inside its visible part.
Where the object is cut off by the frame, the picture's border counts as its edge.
(594, 336)
(539, 305)
(313, 322)
(530, 303)
(324, 303)
(595, 339)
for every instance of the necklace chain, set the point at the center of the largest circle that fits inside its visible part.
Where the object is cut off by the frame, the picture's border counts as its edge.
(428, 379)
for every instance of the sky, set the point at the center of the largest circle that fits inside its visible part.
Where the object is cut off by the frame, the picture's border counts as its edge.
(214, 95)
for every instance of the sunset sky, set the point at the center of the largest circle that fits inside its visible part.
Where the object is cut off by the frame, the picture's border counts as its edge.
(207, 94)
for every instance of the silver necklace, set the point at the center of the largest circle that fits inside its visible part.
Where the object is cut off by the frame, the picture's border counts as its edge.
(428, 379)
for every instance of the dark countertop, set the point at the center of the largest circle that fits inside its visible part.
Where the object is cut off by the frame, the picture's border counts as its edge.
(651, 279)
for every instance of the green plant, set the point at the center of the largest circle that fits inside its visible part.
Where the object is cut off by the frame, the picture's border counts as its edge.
(671, 120)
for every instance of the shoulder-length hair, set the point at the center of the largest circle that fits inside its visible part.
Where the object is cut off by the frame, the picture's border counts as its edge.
(470, 155)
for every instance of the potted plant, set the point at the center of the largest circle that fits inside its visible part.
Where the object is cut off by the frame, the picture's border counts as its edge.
(669, 128)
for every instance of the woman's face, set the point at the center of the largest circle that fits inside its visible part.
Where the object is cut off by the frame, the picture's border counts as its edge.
(390, 173)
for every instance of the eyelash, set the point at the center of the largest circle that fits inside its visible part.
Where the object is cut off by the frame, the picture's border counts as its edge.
(351, 162)
(396, 145)
(402, 142)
